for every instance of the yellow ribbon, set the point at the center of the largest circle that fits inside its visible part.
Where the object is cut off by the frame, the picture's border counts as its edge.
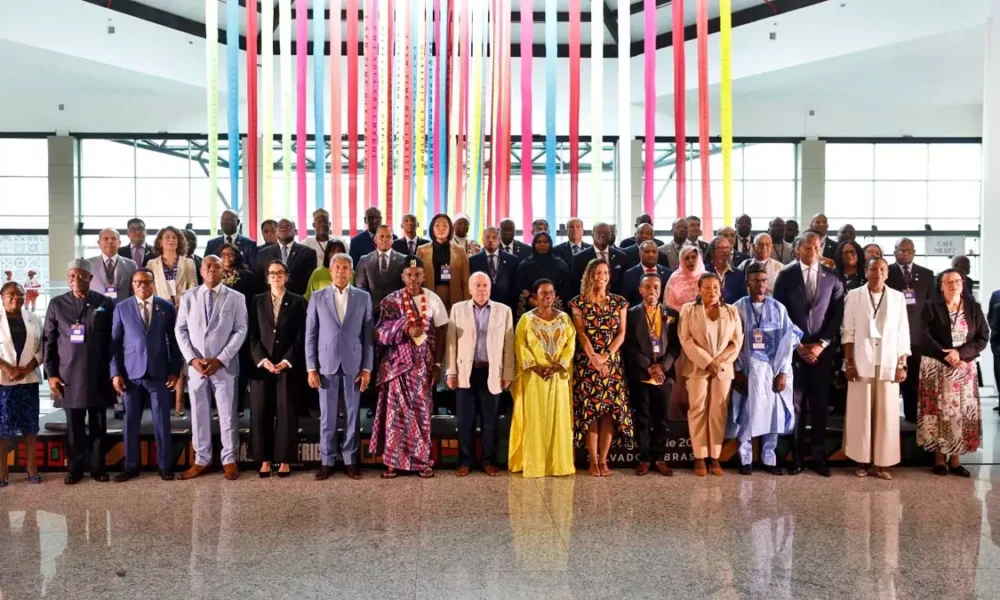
(420, 115)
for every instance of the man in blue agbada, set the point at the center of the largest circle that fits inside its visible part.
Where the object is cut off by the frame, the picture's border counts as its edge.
(762, 402)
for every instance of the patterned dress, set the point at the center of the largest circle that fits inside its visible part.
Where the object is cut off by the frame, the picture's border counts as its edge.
(949, 418)
(401, 431)
(595, 396)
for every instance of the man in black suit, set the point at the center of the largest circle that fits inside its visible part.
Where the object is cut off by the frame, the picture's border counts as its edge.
(230, 223)
(508, 244)
(650, 370)
(694, 233)
(820, 225)
(744, 236)
(917, 285)
(410, 241)
(300, 260)
(964, 266)
(539, 225)
(499, 265)
(268, 233)
(650, 256)
(736, 258)
(642, 233)
(380, 272)
(791, 231)
(574, 243)
(814, 298)
(602, 248)
(137, 250)
(364, 241)
(642, 219)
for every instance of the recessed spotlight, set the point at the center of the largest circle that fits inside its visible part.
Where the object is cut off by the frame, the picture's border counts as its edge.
(773, 35)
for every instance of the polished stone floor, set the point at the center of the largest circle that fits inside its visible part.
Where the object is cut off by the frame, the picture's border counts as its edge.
(918, 536)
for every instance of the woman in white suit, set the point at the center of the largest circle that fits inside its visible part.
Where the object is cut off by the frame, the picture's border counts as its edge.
(876, 341)
(20, 355)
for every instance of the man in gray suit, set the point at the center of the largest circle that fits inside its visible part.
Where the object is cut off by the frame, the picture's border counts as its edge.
(112, 273)
(380, 272)
(672, 249)
(339, 356)
(211, 327)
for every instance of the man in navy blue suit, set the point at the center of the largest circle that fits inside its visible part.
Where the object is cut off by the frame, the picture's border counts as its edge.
(814, 297)
(145, 362)
(499, 265)
(364, 241)
(649, 254)
(604, 249)
(230, 223)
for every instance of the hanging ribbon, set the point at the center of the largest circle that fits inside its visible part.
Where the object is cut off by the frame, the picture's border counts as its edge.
(285, 59)
(574, 107)
(680, 95)
(551, 60)
(704, 148)
(624, 111)
(508, 125)
(352, 114)
(428, 24)
(267, 123)
(250, 162)
(302, 55)
(496, 41)
(319, 80)
(399, 111)
(388, 141)
(478, 93)
(335, 142)
(649, 43)
(726, 106)
(463, 117)
(407, 75)
(527, 34)
(596, 105)
(212, 93)
(384, 101)
(233, 101)
(440, 89)
(371, 103)
(454, 103)
(420, 110)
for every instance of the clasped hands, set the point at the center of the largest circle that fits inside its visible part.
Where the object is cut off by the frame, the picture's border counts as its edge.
(656, 373)
(810, 352)
(952, 358)
(206, 367)
(601, 363)
(15, 373)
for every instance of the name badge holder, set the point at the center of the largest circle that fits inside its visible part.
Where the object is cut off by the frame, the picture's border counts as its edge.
(655, 342)
(111, 291)
(758, 340)
(910, 295)
(446, 273)
(77, 333)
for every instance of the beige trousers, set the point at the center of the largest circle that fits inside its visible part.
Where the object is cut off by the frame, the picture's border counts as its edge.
(872, 421)
(708, 409)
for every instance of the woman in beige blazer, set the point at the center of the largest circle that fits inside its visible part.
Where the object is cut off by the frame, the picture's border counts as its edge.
(711, 336)
(446, 266)
(173, 274)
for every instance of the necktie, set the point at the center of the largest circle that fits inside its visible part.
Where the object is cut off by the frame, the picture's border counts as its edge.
(145, 313)
(811, 285)
(384, 263)
(413, 247)
(906, 275)
(109, 271)
(575, 249)
(493, 267)
(229, 239)
(137, 255)
(284, 254)
(209, 305)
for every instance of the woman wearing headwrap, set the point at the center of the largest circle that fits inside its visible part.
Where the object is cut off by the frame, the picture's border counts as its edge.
(682, 287)
(446, 264)
(541, 264)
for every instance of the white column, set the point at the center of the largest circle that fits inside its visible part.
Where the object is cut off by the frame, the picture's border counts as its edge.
(990, 221)
(812, 181)
(63, 217)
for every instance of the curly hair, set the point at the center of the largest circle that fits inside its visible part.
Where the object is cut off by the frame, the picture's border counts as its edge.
(181, 241)
(587, 285)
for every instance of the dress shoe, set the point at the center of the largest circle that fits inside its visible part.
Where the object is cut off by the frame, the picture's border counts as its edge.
(491, 470)
(774, 470)
(463, 471)
(5, 481)
(699, 467)
(166, 476)
(746, 470)
(126, 476)
(642, 468)
(822, 470)
(664, 469)
(715, 468)
(72, 478)
(960, 471)
(230, 472)
(36, 478)
(795, 469)
(353, 472)
(193, 472)
(324, 473)
(100, 477)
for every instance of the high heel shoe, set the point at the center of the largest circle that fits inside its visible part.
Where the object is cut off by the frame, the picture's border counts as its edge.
(284, 474)
(5, 481)
(265, 474)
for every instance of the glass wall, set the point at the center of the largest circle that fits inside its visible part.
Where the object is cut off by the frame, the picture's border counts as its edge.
(24, 208)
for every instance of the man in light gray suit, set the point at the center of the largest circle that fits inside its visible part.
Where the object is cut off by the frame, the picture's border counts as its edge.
(380, 272)
(672, 249)
(339, 351)
(112, 273)
(211, 327)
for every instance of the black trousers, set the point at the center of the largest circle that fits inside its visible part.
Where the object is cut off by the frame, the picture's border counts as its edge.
(274, 420)
(649, 411)
(472, 401)
(909, 387)
(78, 421)
(812, 394)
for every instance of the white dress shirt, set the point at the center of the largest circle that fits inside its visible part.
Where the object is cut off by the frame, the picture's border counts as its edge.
(340, 301)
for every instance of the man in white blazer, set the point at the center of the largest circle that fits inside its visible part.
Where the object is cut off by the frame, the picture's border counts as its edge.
(480, 365)
(112, 273)
(211, 327)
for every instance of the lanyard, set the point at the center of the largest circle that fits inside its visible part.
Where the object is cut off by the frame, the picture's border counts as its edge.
(958, 313)
(757, 316)
(651, 322)
(871, 299)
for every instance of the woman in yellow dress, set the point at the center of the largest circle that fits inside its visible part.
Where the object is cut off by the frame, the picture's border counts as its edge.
(541, 432)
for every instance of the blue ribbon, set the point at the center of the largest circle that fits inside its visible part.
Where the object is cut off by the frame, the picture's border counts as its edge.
(551, 55)
(233, 108)
(319, 78)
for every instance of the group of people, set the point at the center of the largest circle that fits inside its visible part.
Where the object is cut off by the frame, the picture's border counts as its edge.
(596, 344)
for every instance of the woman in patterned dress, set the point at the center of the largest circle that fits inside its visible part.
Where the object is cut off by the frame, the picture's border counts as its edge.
(949, 417)
(600, 399)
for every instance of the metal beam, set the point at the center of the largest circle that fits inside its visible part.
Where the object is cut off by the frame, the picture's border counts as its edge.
(611, 23)
(636, 7)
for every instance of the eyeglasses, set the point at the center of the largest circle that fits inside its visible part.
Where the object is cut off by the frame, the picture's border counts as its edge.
(276, 273)
(143, 282)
